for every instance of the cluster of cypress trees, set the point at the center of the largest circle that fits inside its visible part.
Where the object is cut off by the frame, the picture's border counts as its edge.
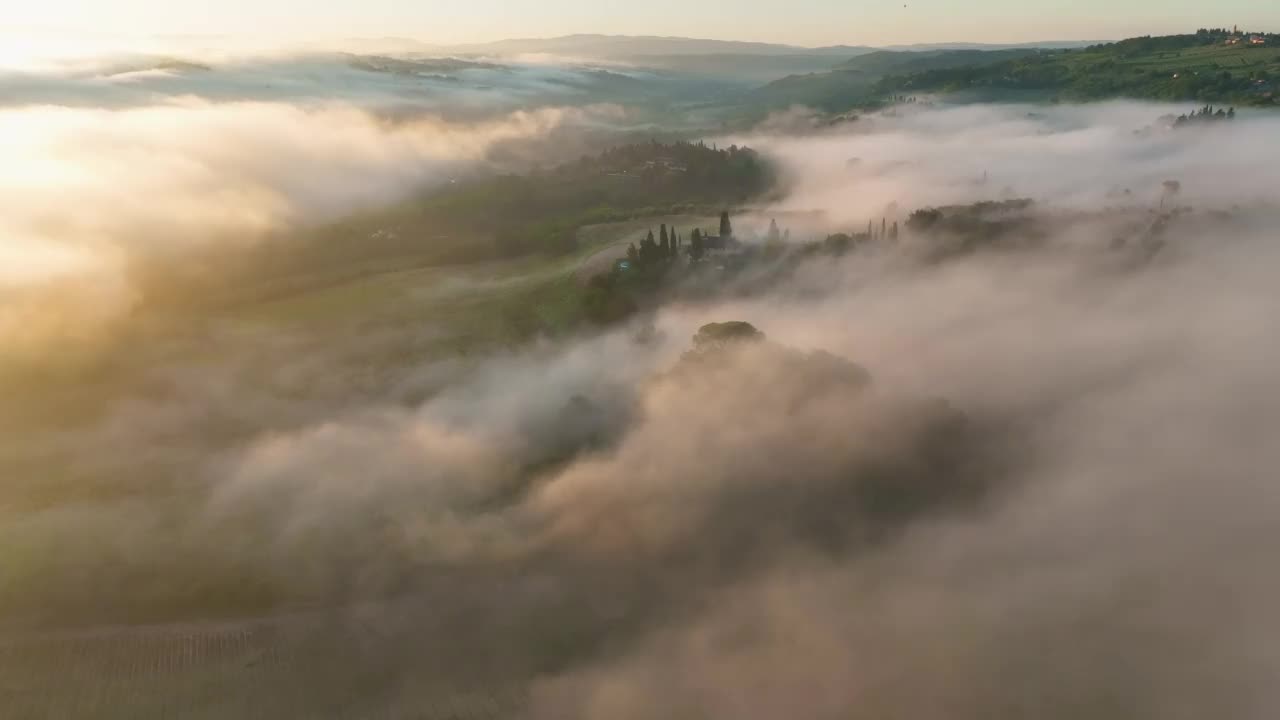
(886, 232)
(653, 251)
(1205, 114)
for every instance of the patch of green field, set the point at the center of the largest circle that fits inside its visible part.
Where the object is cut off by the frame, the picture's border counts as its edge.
(473, 295)
(1207, 59)
(435, 310)
(1199, 69)
(634, 230)
(1231, 58)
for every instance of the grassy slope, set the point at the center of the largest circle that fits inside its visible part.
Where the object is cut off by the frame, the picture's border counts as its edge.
(854, 82)
(474, 306)
(1210, 73)
(473, 221)
(738, 68)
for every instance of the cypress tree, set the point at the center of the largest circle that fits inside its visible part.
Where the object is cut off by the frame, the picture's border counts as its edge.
(648, 249)
(726, 229)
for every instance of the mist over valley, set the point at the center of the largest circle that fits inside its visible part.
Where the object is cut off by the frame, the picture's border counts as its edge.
(624, 378)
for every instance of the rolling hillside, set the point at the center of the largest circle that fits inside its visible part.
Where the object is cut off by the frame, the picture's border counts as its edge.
(856, 81)
(1202, 67)
(613, 46)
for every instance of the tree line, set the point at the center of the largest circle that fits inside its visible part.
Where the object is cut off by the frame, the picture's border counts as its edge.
(1206, 114)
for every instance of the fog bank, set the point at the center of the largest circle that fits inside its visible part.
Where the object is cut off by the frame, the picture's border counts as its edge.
(1081, 157)
(1022, 479)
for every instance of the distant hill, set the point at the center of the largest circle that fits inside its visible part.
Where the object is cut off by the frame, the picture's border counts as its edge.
(586, 46)
(882, 62)
(1209, 66)
(748, 70)
(754, 78)
(617, 46)
(857, 81)
(597, 46)
(1048, 44)
(745, 63)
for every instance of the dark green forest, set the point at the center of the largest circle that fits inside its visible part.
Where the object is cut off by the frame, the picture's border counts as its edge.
(541, 211)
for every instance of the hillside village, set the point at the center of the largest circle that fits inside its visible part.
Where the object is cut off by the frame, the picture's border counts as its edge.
(1239, 38)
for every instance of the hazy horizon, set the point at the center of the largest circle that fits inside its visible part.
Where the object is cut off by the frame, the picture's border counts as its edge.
(810, 23)
(354, 367)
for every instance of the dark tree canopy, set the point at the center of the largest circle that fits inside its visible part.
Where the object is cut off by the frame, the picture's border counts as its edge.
(713, 335)
(696, 248)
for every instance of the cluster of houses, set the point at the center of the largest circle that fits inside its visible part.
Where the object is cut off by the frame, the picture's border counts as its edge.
(1239, 38)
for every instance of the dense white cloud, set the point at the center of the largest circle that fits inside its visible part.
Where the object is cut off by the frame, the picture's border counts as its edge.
(1083, 157)
(84, 192)
(1053, 498)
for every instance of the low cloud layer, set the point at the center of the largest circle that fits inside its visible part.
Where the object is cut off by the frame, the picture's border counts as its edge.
(1083, 157)
(86, 193)
(1119, 568)
(470, 88)
(113, 156)
(1015, 482)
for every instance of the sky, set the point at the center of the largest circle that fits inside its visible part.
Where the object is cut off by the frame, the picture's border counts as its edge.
(801, 22)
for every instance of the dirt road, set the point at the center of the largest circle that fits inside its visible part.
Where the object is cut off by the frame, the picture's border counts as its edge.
(600, 261)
